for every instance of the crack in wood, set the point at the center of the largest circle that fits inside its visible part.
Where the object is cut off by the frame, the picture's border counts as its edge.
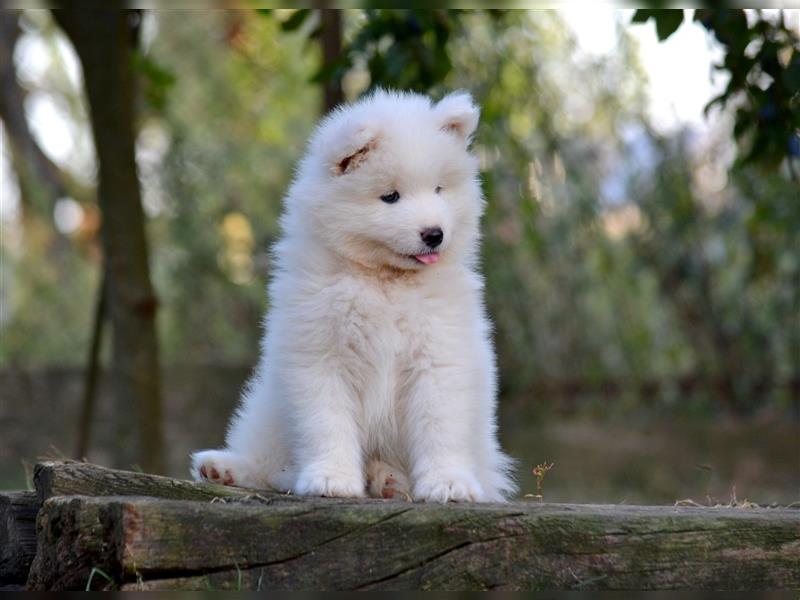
(435, 557)
(413, 567)
(154, 575)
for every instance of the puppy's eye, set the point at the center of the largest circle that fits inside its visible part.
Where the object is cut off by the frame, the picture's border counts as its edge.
(438, 189)
(391, 197)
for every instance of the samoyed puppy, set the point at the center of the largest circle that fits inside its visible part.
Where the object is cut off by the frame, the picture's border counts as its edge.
(377, 375)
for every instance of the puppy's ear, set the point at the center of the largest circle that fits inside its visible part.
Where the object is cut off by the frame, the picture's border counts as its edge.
(352, 147)
(458, 114)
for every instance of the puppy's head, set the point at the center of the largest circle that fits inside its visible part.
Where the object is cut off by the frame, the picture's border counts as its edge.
(389, 181)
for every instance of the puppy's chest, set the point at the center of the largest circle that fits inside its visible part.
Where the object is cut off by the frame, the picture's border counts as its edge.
(379, 332)
(379, 343)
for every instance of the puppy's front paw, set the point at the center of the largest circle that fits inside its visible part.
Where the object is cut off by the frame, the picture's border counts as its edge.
(455, 485)
(315, 481)
(225, 468)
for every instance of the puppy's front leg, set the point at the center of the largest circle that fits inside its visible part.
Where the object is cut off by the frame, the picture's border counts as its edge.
(438, 429)
(328, 439)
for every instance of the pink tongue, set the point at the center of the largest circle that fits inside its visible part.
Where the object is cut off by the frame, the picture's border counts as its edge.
(427, 259)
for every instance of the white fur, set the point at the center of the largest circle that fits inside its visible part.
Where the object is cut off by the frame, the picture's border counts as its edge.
(373, 361)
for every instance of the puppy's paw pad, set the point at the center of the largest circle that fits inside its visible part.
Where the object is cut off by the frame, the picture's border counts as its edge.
(212, 474)
(445, 487)
(395, 488)
(386, 481)
(213, 466)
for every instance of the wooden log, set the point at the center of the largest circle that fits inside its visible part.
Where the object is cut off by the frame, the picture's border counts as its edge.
(319, 544)
(71, 478)
(66, 478)
(17, 536)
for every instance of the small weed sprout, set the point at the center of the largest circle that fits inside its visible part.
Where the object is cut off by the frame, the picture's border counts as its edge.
(139, 578)
(97, 571)
(734, 502)
(539, 472)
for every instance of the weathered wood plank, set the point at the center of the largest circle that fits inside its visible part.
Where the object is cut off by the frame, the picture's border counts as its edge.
(68, 478)
(17, 535)
(58, 478)
(145, 543)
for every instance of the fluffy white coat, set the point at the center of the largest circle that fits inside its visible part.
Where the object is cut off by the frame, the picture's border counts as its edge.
(377, 372)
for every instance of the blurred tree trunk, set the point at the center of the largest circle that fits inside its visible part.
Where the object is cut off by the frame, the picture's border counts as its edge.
(41, 182)
(331, 40)
(103, 41)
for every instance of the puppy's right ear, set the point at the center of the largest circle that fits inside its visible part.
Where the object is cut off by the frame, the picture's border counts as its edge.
(457, 114)
(352, 146)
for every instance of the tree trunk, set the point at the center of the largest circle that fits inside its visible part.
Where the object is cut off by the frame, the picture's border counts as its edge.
(102, 40)
(331, 40)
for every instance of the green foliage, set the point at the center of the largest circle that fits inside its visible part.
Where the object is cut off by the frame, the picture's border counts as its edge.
(667, 20)
(544, 136)
(295, 21)
(404, 49)
(237, 119)
(665, 280)
(728, 272)
(157, 81)
(763, 61)
(47, 311)
(401, 48)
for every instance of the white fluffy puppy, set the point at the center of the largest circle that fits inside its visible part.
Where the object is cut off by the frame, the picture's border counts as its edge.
(377, 374)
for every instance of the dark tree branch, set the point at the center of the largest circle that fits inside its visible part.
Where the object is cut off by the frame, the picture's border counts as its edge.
(41, 180)
(92, 369)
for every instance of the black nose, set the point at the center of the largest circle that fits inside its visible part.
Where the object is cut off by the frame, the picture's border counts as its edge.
(432, 236)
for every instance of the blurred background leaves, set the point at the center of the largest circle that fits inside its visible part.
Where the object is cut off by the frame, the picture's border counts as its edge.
(763, 64)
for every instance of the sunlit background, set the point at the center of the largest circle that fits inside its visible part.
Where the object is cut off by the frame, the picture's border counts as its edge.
(644, 283)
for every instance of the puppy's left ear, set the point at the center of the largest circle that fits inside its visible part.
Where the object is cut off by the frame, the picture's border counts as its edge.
(458, 114)
(353, 144)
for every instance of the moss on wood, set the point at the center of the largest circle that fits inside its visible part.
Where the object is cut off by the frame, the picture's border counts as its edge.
(314, 543)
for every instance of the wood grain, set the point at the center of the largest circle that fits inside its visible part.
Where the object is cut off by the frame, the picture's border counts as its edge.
(316, 544)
